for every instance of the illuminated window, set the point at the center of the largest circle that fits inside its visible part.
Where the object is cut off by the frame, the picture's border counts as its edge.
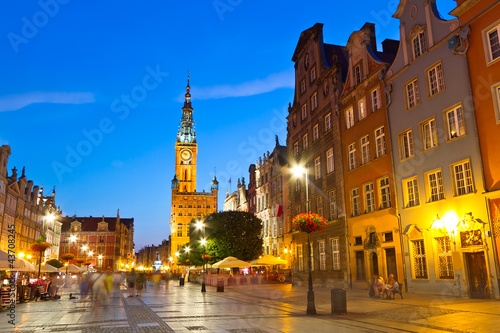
(376, 99)
(314, 101)
(429, 134)
(330, 166)
(333, 205)
(315, 132)
(369, 198)
(300, 257)
(384, 193)
(411, 191)
(365, 149)
(313, 74)
(357, 74)
(406, 144)
(317, 168)
(361, 109)
(435, 188)
(445, 261)
(311, 254)
(305, 142)
(352, 156)
(419, 45)
(319, 205)
(328, 122)
(419, 259)
(322, 255)
(462, 176)
(355, 211)
(455, 123)
(435, 79)
(296, 148)
(335, 254)
(380, 141)
(304, 111)
(349, 118)
(494, 43)
(412, 94)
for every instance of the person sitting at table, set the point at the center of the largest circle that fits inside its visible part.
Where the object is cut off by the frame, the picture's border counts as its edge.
(378, 284)
(390, 287)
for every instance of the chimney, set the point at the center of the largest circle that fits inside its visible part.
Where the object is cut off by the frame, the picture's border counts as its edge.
(370, 31)
(390, 46)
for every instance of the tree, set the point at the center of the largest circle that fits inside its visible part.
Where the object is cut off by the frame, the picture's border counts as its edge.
(236, 234)
(56, 263)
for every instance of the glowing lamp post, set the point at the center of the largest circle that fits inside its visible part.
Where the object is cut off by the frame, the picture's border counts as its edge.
(40, 246)
(201, 226)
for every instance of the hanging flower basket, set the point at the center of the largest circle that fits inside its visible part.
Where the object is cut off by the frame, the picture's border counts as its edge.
(40, 247)
(88, 263)
(206, 257)
(187, 261)
(68, 256)
(79, 261)
(309, 222)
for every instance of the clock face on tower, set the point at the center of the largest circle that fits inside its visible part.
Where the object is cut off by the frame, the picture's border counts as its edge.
(186, 155)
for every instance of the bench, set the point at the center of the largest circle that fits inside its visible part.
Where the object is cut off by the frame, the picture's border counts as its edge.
(40, 292)
(399, 291)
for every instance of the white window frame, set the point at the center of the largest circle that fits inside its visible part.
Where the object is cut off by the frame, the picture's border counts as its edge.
(335, 253)
(317, 168)
(302, 86)
(419, 259)
(351, 153)
(357, 74)
(333, 204)
(303, 111)
(455, 123)
(380, 141)
(305, 141)
(330, 165)
(319, 205)
(384, 189)
(365, 149)
(428, 130)
(296, 148)
(362, 112)
(412, 94)
(462, 178)
(328, 122)
(355, 209)
(495, 93)
(419, 46)
(412, 194)
(369, 197)
(349, 117)
(315, 132)
(488, 43)
(313, 74)
(444, 263)
(376, 99)
(300, 257)
(435, 79)
(314, 101)
(435, 187)
(406, 145)
(322, 255)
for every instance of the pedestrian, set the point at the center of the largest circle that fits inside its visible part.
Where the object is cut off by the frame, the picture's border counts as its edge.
(131, 282)
(139, 283)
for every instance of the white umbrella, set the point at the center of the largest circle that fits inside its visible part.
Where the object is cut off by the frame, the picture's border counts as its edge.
(72, 268)
(231, 262)
(13, 263)
(267, 260)
(47, 269)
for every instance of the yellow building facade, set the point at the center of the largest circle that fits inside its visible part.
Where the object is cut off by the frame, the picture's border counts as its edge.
(187, 203)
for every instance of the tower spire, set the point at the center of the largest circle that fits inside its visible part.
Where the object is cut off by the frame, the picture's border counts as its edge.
(188, 94)
(186, 133)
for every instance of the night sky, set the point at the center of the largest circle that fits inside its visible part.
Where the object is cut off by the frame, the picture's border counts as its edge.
(91, 92)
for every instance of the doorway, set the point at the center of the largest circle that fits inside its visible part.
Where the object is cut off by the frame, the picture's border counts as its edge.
(476, 265)
(360, 266)
(390, 258)
(374, 263)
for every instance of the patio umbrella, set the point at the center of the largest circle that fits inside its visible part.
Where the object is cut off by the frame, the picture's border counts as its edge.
(47, 269)
(72, 268)
(17, 265)
(268, 260)
(231, 262)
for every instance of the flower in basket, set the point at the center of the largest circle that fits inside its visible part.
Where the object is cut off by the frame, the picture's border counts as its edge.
(87, 263)
(79, 261)
(40, 246)
(206, 257)
(68, 256)
(187, 261)
(309, 222)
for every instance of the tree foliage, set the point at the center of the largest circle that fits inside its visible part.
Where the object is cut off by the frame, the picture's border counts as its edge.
(236, 234)
(56, 263)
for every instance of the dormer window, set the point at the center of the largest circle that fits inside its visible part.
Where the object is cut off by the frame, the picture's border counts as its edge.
(418, 44)
(357, 74)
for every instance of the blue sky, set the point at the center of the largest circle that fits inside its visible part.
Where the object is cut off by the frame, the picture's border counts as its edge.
(91, 92)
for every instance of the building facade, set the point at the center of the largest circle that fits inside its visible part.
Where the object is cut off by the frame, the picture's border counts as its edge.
(106, 242)
(368, 176)
(147, 255)
(187, 203)
(313, 141)
(437, 161)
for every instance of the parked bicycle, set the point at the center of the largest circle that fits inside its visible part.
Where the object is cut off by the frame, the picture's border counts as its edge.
(489, 290)
(456, 289)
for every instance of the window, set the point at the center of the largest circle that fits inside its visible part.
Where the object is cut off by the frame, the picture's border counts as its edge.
(358, 240)
(352, 156)
(435, 186)
(380, 141)
(313, 73)
(412, 94)
(376, 99)
(435, 79)
(296, 148)
(357, 74)
(384, 193)
(365, 149)
(333, 204)
(315, 132)
(328, 122)
(2, 187)
(494, 43)
(462, 178)
(369, 198)
(455, 123)
(305, 142)
(319, 205)
(349, 118)
(297, 185)
(419, 260)
(429, 134)
(311, 254)
(101, 239)
(1, 210)
(300, 257)
(322, 255)
(419, 46)
(314, 101)
(360, 266)
(179, 230)
(304, 112)
(317, 168)
(412, 196)
(388, 236)
(445, 262)
(361, 109)
(302, 86)
(355, 201)
(406, 145)
(330, 166)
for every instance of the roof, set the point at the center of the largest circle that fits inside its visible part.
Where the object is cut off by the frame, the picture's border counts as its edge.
(91, 223)
(341, 55)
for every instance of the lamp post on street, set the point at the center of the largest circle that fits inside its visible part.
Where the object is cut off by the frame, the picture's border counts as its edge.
(201, 225)
(298, 171)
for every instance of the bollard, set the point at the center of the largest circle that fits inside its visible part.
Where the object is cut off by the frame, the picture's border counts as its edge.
(220, 286)
(339, 301)
(181, 282)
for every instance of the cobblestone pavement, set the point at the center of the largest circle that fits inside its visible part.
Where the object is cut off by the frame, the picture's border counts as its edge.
(252, 309)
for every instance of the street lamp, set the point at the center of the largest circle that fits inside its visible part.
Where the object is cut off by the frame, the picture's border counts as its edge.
(298, 171)
(201, 225)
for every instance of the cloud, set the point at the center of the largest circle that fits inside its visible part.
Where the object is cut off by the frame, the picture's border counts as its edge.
(285, 79)
(19, 101)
